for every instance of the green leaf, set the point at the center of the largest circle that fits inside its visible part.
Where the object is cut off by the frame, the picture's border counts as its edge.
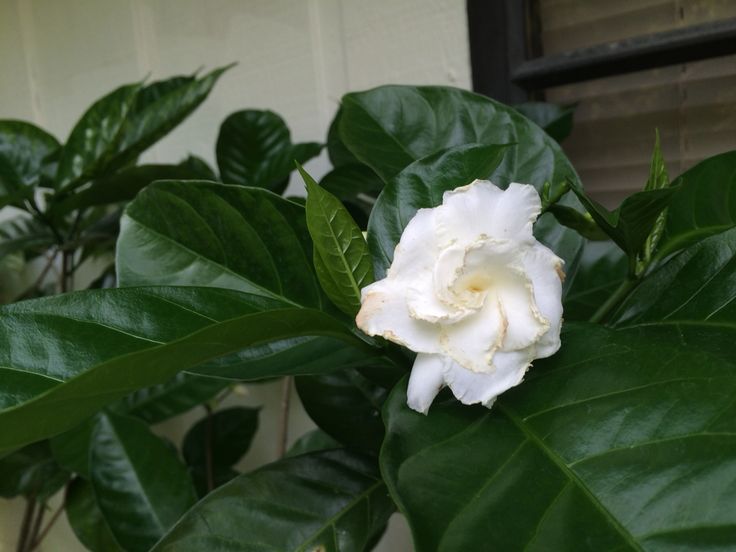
(31, 472)
(178, 395)
(390, 127)
(338, 153)
(322, 501)
(127, 339)
(698, 286)
(582, 223)
(159, 108)
(312, 441)
(703, 205)
(341, 255)
(346, 405)
(141, 487)
(202, 233)
(95, 138)
(357, 186)
(121, 186)
(71, 448)
(622, 441)
(254, 149)
(23, 147)
(218, 441)
(600, 270)
(86, 520)
(198, 168)
(24, 234)
(421, 185)
(556, 120)
(631, 223)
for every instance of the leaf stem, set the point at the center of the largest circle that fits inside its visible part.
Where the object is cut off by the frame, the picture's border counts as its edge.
(25, 526)
(42, 535)
(208, 450)
(285, 404)
(622, 291)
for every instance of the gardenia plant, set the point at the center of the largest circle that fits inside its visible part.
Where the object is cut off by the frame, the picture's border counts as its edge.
(621, 437)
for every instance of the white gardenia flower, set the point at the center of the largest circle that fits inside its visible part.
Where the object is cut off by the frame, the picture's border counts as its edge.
(472, 292)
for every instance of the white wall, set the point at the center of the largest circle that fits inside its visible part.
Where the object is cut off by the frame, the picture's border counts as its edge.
(296, 57)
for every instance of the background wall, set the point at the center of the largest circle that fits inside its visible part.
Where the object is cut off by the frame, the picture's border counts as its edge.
(296, 57)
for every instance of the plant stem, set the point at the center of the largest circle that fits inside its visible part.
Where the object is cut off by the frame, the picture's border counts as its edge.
(626, 286)
(33, 536)
(49, 525)
(208, 450)
(25, 526)
(285, 404)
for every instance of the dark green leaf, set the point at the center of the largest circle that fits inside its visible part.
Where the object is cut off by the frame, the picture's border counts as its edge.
(698, 285)
(141, 487)
(201, 233)
(121, 186)
(178, 395)
(338, 153)
(346, 405)
(600, 270)
(625, 440)
(198, 168)
(330, 501)
(95, 138)
(226, 433)
(31, 472)
(704, 204)
(341, 257)
(158, 109)
(24, 234)
(127, 339)
(312, 441)
(71, 448)
(390, 127)
(421, 185)
(86, 520)
(631, 223)
(254, 149)
(556, 120)
(23, 147)
(357, 186)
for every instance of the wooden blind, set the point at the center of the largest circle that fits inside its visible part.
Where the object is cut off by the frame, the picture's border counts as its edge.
(693, 105)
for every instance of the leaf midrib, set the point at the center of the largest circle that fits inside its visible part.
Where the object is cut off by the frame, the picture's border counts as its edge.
(569, 474)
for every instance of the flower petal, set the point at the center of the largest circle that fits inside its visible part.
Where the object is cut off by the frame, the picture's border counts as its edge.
(426, 380)
(483, 209)
(473, 341)
(473, 387)
(544, 269)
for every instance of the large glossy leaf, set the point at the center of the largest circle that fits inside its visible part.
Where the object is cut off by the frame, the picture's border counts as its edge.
(94, 138)
(330, 501)
(698, 286)
(141, 486)
(357, 186)
(23, 147)
(421, 185)
(178, 395)
(341, 256)
(254, 149)
(216, 442)
(556, 120)
(390, 127)
(86, 520)
(600, 270)
(71, 448)
(124, 340)
(346, 405)
(705, 203)
(200, 233)
(312, 441)
(159, 108)
(338, 153)
(625, 440)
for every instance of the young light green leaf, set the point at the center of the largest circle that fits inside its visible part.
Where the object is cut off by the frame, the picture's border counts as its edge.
(342, 260)
(331, 500)
(141, 486)
(658, 179)
(127, 339)
(254, 148)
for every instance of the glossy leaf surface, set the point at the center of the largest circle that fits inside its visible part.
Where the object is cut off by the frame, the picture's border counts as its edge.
(141, 486)
(86, 520)
(31, 472)
(556, 120)
(23, 147)
(254, 148)
(332, 501)
(341, 256)
(126, 339)
(312, 441)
